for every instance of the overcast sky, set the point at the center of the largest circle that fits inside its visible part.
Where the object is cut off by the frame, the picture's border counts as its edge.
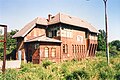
(17, 13)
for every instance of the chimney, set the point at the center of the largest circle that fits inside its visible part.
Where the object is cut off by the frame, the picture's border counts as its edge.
(49, 17)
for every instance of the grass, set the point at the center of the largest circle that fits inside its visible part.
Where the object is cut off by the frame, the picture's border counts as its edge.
(88, 69)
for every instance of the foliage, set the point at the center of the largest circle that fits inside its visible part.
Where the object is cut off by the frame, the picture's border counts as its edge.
(116, 43)
(86, 69)
(11, 44)
(101, 54)
(101, 40)
(105, 73)
(46, 63)
(78, 75)
(117, 76)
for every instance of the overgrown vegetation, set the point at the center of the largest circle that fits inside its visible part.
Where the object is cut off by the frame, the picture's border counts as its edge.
(114, 46)
(88, 69)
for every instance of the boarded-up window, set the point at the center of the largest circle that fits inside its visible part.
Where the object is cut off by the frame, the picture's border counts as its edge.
(53, 52)
(46, 52)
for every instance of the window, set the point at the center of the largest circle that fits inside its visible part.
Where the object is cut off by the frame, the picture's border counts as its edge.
(46, 51)
(50, 34)
(66, 33)
(86, 35)
(65, 48)
(36, 45)
(80, 48)
(84, 48)
(73, 48)
(53, 52)
(80, 38)
(77, 48)
(54, 33)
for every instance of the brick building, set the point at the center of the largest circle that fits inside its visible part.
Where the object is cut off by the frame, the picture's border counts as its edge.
(58, 38)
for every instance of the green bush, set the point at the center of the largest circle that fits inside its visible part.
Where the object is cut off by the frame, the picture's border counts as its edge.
(117, 67)
(46, 63)
(64, 69)
(101, 64)
(100, 54)
(87, 69)
(11, 74)
(117, 76)
(78, 75)
(106, 73)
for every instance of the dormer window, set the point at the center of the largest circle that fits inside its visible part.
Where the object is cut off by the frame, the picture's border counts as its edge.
(54, 33)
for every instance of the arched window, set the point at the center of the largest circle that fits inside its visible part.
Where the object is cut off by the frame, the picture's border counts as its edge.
(46, 51)
(77, 49)
(65, 48)
(53, 52)
(66, 51)
(73, 48)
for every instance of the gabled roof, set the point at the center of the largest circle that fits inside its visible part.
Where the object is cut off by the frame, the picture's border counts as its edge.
(30, 26)
(59, 18)
(43, 39)
(67, 19)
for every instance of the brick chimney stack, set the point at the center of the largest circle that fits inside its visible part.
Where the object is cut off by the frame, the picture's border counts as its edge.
(49, 17)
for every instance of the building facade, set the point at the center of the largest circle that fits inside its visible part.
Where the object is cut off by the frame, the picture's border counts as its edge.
(58, 38)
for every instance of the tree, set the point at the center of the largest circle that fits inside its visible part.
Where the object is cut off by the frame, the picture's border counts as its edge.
(116, 43)
(101, 40)
(11, 43)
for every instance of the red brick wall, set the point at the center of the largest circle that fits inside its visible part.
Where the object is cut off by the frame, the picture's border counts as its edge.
(34, 33)
(73, 41)
(39, 54)
(50, 46)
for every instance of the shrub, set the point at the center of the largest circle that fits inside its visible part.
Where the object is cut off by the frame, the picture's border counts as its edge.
(11, 74)
(117, 76)
(106, 73)
(117, 67)
(54, 69)
(46, 63)
(101, 53)
(78, 75)
(100, 65)
(64, 69)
